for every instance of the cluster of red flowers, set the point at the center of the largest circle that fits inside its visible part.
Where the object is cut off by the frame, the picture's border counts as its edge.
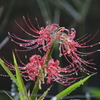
(44, 39)
(51, 71)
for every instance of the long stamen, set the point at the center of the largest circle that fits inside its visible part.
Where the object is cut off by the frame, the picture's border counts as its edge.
(26, 31)
(89, 45)
(83, 38)
(32, 29)
(91, 38)
(16, 37)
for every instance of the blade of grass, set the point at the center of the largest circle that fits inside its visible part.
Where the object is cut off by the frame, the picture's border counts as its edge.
(8, 71)
(44, 94)
(8, 95)
(71, 88)
(21, 87)
(35, 90)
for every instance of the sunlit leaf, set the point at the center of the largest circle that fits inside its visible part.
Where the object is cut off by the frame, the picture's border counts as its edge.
(71, 88)
(20, 83)
(44, 94)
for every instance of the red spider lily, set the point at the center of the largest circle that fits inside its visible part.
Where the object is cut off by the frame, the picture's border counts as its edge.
(43, 36)
(68, 46)
(51, 72)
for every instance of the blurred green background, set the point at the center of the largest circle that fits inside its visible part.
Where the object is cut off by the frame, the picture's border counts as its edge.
(83, 15)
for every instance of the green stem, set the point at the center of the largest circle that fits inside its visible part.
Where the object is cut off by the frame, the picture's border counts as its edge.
(36, 86)
(35, 89)
(49, 52)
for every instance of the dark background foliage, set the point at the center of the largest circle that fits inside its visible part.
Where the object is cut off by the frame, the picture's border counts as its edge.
(83, 15)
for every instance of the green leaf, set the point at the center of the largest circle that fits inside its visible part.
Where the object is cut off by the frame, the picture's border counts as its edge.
(71, 88)
(35, 90)
(21, 87)
(44, 94)
(49, 52)
(8, 71)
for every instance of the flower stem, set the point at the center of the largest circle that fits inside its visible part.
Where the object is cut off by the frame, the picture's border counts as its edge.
(49, 52)
(38, 83)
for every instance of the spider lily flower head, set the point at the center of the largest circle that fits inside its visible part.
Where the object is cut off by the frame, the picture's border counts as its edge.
(69, 49)
(66, 38)
(37, 69)
(42, 39)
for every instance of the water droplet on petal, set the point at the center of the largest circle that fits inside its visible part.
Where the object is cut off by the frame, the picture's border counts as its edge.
(20, 45)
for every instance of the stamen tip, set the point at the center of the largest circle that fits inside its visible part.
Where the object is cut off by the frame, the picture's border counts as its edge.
(88, 73)
(23, 17)
(95, 68)
(15, 50)
(35, 18)
(8, 33)
(98, 50)
(12, 40)
(76, 73)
